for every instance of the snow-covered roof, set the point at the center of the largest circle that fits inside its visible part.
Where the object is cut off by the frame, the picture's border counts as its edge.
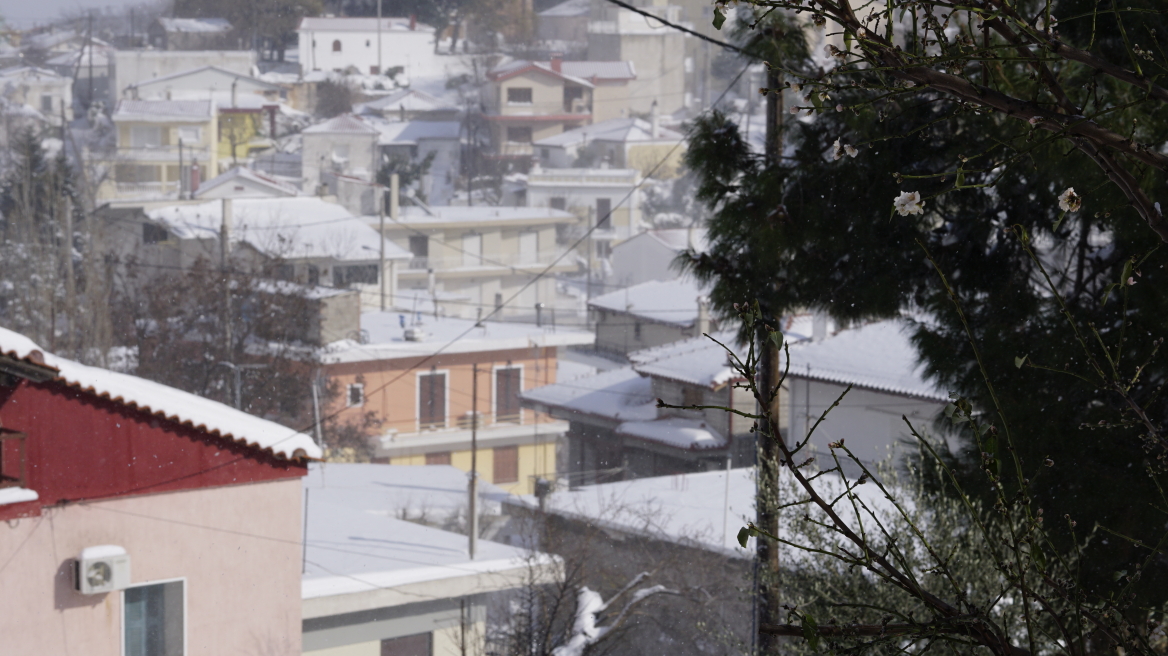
(679, 239)
(697, 361)
(27, 72)
(616, 130)
(163, 111)
(673, 302)
(521, 66)
(679, 433)
(415, 215)
(229, 78)
(257, 178)
(289, 228)
(617, 395)
(343, 124)
(450, 335)
(101, 58)
(329, 24)
(573, 177)
(571, 8)
(355, 544)
(412, 100)
(166, 402)
(599, 70)
(877, 356)
(411, 132)
(195, 25)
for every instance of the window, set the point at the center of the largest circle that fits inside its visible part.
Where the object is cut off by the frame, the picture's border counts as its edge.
(691, 396)
(440, 458)
(519, 135)
(559, 203)
(508, 383)
(545, 154)
(153, 233)
(571, 95)
(498, 301)
(420, 248)
(528, 247)
(519, 96)
(413, 645)
(432, 400)
(46, 103)
(337, 45)
(153, 619)
(11, 458)
(506, 465)
(472, 250)
(355, 395)
(145, 136)
(603, 213)
(366, 43)
(637, 331)
(362, 274)
(313, 274)
(190, 135)
(374, 70)
(133, 173)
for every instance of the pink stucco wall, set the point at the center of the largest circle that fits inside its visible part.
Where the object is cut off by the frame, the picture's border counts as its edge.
(237, 546)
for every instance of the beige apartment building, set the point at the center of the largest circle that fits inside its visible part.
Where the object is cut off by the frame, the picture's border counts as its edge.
(164, 147)
(528, 101)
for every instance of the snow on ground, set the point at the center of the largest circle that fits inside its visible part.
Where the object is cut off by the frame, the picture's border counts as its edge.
(436, 491)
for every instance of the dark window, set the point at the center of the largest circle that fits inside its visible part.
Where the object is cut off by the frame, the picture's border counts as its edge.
(46, 103)
(154, 620)
(374, 70)
(506, 465)
(440, 458)
(154, 234)
(559, 203)
(414, 645)
(337, 45)
(637, 331)
(285, 271)
(603, 213)
(11, 458)
(356, 395)
(420, 248)
(507, 384)
(432, 400)
(572, 94)
(313, 274)
(343, 276)
(691, 396)
(498, 301)
(519, 95)
(519, 134)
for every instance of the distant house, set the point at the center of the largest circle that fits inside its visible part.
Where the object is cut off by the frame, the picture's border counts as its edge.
(527, 101)
(113, 492)
(650, 314)
(565, 22)
(364, 45)
(163, 148)
(90, 67)
(409, 105)
(656, 50)
(131, 67)
(240, 182)
(415, 142)
(475, 259)
(622, 143)
(607, 198)
(192, 34)
(376, 584)
(612, 84)
(346, 144)
(415, 373)
(651, 255)
(617, 431)
(39, 89)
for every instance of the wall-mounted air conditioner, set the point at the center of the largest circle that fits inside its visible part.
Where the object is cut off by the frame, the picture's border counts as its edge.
(102, 569)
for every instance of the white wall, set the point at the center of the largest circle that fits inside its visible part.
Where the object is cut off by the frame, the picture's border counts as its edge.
(414, 51)
(641, 259)
(134, 66)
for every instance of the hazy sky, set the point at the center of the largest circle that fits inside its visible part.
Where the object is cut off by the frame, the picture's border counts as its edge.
(27, 13)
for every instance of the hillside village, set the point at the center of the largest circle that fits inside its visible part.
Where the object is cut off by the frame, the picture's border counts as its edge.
(372, 338)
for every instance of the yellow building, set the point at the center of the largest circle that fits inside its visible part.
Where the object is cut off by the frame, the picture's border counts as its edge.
(163, 148)
(426, 380)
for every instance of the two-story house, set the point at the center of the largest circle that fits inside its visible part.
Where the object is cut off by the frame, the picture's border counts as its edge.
(164, 147)
(41, 89)
(475, 260)
(608, 199)
(139, 519)
(427, 378)
(527, 101)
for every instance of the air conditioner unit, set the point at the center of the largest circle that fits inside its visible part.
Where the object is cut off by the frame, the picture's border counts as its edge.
(102, 569)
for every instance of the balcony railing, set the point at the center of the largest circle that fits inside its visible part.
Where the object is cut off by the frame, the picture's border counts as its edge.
(458, 260)
(148, 189)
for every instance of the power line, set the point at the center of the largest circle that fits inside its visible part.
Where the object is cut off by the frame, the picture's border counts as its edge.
(680, 28)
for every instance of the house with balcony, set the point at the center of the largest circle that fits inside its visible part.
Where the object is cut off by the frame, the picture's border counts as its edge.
(437, 382)
(622, 143)
(607, 198)
(164, 147)
(136, 518)
(527, 101)
(471, 261)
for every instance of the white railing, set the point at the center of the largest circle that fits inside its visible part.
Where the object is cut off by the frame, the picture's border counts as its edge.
(458, 260)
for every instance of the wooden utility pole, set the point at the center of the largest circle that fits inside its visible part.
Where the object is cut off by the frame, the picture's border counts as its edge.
(473, 519)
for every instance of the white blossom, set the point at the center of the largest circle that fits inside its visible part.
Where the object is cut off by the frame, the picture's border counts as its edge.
(1069, 201)
(839, 149)
(851, 150)
(909, 202)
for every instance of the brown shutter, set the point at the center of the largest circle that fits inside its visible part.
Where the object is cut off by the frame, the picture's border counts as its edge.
(439, 458)
(507, 394)
(432, 401)
(506, 465)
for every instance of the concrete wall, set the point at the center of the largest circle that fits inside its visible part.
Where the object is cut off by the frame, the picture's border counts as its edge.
(658, 58)
(237, 547)
(617, 332)
(414, 51)
(642, 259)
(133, 66)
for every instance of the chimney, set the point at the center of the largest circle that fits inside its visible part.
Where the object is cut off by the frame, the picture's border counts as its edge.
(557, 62)
(703, 322)
(194, 177)
(413, 22)
(655, 121)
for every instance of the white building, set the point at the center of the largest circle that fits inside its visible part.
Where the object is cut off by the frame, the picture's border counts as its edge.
(135, 66)
(340, 44)
(344, 145)
(622, 143)
(650, 314)
(606, 197)
(415, 141)
(651, 255)
(41, 90)
(240, 182)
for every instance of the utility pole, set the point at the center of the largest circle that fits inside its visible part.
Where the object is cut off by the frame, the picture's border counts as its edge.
(224, 262)
(380, 71)
(90, 99)
(473, 520)
(394, 189)
(381, 233)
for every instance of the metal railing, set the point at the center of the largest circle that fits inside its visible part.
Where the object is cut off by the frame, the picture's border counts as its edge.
(499, 260)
